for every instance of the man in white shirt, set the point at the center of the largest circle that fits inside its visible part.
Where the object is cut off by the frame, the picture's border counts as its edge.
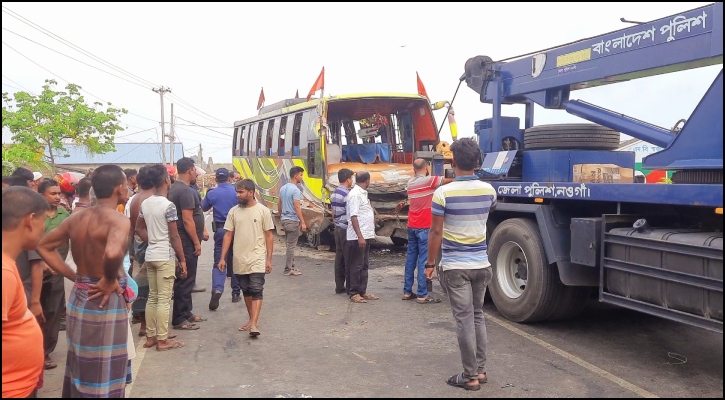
(360, 230)
(156, 225)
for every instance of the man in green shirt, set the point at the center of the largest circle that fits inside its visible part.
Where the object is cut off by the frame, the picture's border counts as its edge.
(52, 297)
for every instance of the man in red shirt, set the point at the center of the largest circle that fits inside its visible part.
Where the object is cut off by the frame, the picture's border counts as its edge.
(420, 197)
(23, 358)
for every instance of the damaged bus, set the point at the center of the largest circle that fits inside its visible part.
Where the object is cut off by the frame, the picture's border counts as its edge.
(378, 132)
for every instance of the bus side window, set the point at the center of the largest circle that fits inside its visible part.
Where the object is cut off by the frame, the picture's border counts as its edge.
(250, 139)
(296, 128)
(314, 160)
(260, 132)
(235, 144)
(270, 131)
(242, 131)
(282, 132)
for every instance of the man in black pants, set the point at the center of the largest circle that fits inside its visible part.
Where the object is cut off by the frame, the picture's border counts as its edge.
(360, 230)
(338, 200)
(191, 231)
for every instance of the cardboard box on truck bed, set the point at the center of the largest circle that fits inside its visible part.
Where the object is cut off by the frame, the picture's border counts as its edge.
(602, 173)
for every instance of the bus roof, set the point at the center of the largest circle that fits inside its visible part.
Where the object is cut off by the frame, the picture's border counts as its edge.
(291, 105)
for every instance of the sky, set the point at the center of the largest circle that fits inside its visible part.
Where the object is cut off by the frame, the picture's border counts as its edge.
(216, 57)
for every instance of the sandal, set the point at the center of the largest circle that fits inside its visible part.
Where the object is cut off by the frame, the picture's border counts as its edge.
(174, 345)
(427, 300)
(254, 332)
(186, 326)
(358, 299)
(50, 364)
(462, 382)
(411, 296)
(370, 296)
(197, 318)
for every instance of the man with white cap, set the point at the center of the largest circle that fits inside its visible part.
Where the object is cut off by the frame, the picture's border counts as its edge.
(37, 177)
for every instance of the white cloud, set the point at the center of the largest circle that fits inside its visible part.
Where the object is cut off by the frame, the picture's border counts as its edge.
(216, 56)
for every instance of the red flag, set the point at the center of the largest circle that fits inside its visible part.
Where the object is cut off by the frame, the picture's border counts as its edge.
(421, 88)
(297, 94)
(319, 84)
(261, 99)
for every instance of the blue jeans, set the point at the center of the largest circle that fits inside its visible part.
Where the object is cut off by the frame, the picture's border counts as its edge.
(417, 256)
(219, 278)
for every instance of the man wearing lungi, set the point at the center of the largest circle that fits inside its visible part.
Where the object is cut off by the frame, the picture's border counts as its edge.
(97, 315)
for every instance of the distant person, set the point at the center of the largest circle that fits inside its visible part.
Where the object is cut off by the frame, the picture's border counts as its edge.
(26, 175)
(156, 226)
(466, 271)
(137, 247)
(37, 177)
(191, 230)
(338, 200)
(289, 206)
(249, 226)
(360, 231)
(23, 226)
(131, 177)
(221, 200)
(420, 194)
(83, 191)
(97, 327)
(52, 297)
(236, 176)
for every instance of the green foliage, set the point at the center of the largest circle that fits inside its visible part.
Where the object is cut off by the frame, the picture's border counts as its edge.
(53, 119)
(21, 155)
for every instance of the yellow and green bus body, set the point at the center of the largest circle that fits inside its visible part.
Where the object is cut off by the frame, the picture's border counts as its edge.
(324, 135)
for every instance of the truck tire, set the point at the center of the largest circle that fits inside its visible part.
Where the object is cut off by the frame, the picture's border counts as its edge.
(572, 301)
(571, 136)
(516, 247)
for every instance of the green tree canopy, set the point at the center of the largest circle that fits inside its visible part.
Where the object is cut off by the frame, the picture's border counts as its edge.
(53, 119)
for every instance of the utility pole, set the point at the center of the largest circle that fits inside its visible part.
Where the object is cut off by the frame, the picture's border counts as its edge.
(162, 91)
(171, 135)
(201, 160)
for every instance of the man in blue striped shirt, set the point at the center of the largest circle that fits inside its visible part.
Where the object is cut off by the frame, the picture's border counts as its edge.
(460, 212)
(338, 200)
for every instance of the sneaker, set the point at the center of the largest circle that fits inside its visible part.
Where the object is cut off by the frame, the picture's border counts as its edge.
(236, 298)
(214, 302)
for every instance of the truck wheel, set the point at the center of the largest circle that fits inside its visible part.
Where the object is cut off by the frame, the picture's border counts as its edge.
(524, 288)
(571, 136)
(572, 301)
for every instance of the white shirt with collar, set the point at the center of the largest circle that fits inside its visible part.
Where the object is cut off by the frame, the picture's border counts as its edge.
(358, 205)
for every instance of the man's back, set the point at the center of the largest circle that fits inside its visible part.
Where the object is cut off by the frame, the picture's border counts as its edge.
(222, 199)
(288, 194)
(420, 195)
(89, 235)
(464, 205)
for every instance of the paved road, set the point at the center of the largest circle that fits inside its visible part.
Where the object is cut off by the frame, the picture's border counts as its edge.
(315, 343)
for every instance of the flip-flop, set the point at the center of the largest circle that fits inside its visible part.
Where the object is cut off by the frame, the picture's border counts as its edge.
(461, 382)
(197, 318)
(175, 345)
(189, 326)
(428, 300)
(254, 332)
(243, 328)
(411, 296)
(148, 347)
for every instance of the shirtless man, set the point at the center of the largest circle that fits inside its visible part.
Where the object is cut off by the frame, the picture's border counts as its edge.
(97, 318)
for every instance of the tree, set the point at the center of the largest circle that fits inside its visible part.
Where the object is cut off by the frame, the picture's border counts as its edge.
(56, 118)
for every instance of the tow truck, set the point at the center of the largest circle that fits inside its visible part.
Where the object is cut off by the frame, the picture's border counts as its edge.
(570, 218)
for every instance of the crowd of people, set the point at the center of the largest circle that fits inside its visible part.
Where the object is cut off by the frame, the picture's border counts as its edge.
(154, 218)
